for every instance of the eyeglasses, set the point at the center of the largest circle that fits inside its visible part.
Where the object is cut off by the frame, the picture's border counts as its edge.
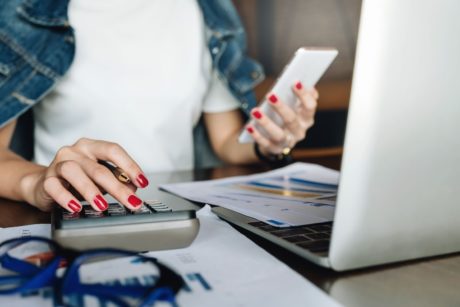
(39, 261)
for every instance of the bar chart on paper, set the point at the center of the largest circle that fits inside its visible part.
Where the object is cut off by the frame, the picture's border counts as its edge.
(295, 195)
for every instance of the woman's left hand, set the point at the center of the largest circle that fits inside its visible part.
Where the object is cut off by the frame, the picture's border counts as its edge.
(296, 122)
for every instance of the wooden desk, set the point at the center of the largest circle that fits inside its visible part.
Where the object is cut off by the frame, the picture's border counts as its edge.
(428, 282)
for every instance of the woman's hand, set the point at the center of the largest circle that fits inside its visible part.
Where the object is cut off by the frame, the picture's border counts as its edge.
(75, 171)
(296, 121)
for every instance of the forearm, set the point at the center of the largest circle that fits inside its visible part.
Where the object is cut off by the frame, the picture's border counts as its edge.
(17, 176)
(233, 152)
(223, 130)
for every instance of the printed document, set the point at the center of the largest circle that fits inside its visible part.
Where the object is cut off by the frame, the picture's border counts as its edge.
(298, 194)
(221, 268)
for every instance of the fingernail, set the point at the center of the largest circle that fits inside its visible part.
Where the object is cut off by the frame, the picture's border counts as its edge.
(257, 114)
(272, 98)
(100, 202)
(74, 206)
(298, 85)
(142, 181)
(134, 200)
(250, 130)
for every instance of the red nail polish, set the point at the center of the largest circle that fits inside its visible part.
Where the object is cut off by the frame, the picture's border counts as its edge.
(74, 206)
(134, 200)
(298, 85)
(142, 181)
(100, 202)
(273, 98)
(250, 130)
(257, 114)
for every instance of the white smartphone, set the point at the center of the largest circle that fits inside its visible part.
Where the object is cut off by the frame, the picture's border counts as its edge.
(307, 66)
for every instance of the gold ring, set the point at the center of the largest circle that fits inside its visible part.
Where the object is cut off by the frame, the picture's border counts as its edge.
(286, 151)
(287, 144)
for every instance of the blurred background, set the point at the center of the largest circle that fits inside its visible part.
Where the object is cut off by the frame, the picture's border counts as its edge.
(277, 28)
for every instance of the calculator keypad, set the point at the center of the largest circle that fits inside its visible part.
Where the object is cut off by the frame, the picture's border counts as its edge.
(116, 209)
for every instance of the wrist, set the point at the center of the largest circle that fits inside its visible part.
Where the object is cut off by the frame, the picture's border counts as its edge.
(276, 160)
(27, 186)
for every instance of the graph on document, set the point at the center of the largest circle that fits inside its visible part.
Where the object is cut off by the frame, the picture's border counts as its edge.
(296, 195)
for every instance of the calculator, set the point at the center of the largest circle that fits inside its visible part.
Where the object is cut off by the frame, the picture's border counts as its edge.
(155, 226)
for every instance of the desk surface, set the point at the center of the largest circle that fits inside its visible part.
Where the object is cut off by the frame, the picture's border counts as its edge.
(427, 282)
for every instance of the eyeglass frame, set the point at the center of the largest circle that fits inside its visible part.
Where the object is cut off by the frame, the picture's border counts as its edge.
(167, 286)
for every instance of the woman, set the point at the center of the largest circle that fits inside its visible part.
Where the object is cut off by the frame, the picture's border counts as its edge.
(138, 73)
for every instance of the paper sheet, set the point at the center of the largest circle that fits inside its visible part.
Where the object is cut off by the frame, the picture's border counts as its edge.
(221, 268)
(42, 230)
(298, 194)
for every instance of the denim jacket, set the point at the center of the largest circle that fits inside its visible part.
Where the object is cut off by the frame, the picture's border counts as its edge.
(37, 47)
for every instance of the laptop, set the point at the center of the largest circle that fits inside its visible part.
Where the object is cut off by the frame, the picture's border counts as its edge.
(398, 197)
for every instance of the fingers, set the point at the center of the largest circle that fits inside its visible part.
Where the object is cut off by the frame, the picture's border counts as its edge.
(290, 118)
(296, 121)
(275, 132)
(276, 137)
(308, 103)
(87, 176)
(54, 187)
(117, 155)
(123, 193)
(73, 173)
(263, 141)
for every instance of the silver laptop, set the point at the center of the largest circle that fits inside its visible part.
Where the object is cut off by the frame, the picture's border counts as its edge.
(398, 196)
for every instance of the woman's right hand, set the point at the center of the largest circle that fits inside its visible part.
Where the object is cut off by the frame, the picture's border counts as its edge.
(75, 169)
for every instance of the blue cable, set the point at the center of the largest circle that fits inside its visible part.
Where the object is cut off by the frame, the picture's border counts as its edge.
(43, 278)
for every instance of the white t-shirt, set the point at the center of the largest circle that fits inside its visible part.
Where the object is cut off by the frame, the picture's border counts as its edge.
(141, 77)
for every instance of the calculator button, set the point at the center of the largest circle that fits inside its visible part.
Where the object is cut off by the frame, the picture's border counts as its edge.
(152, 202)
(115, 206)
(91, 213)
(115, 209)
(142, 210)
(70, 215)
(157, 206)
(161, 209)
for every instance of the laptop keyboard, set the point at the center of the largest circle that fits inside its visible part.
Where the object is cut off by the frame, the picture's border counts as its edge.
(314, 238)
